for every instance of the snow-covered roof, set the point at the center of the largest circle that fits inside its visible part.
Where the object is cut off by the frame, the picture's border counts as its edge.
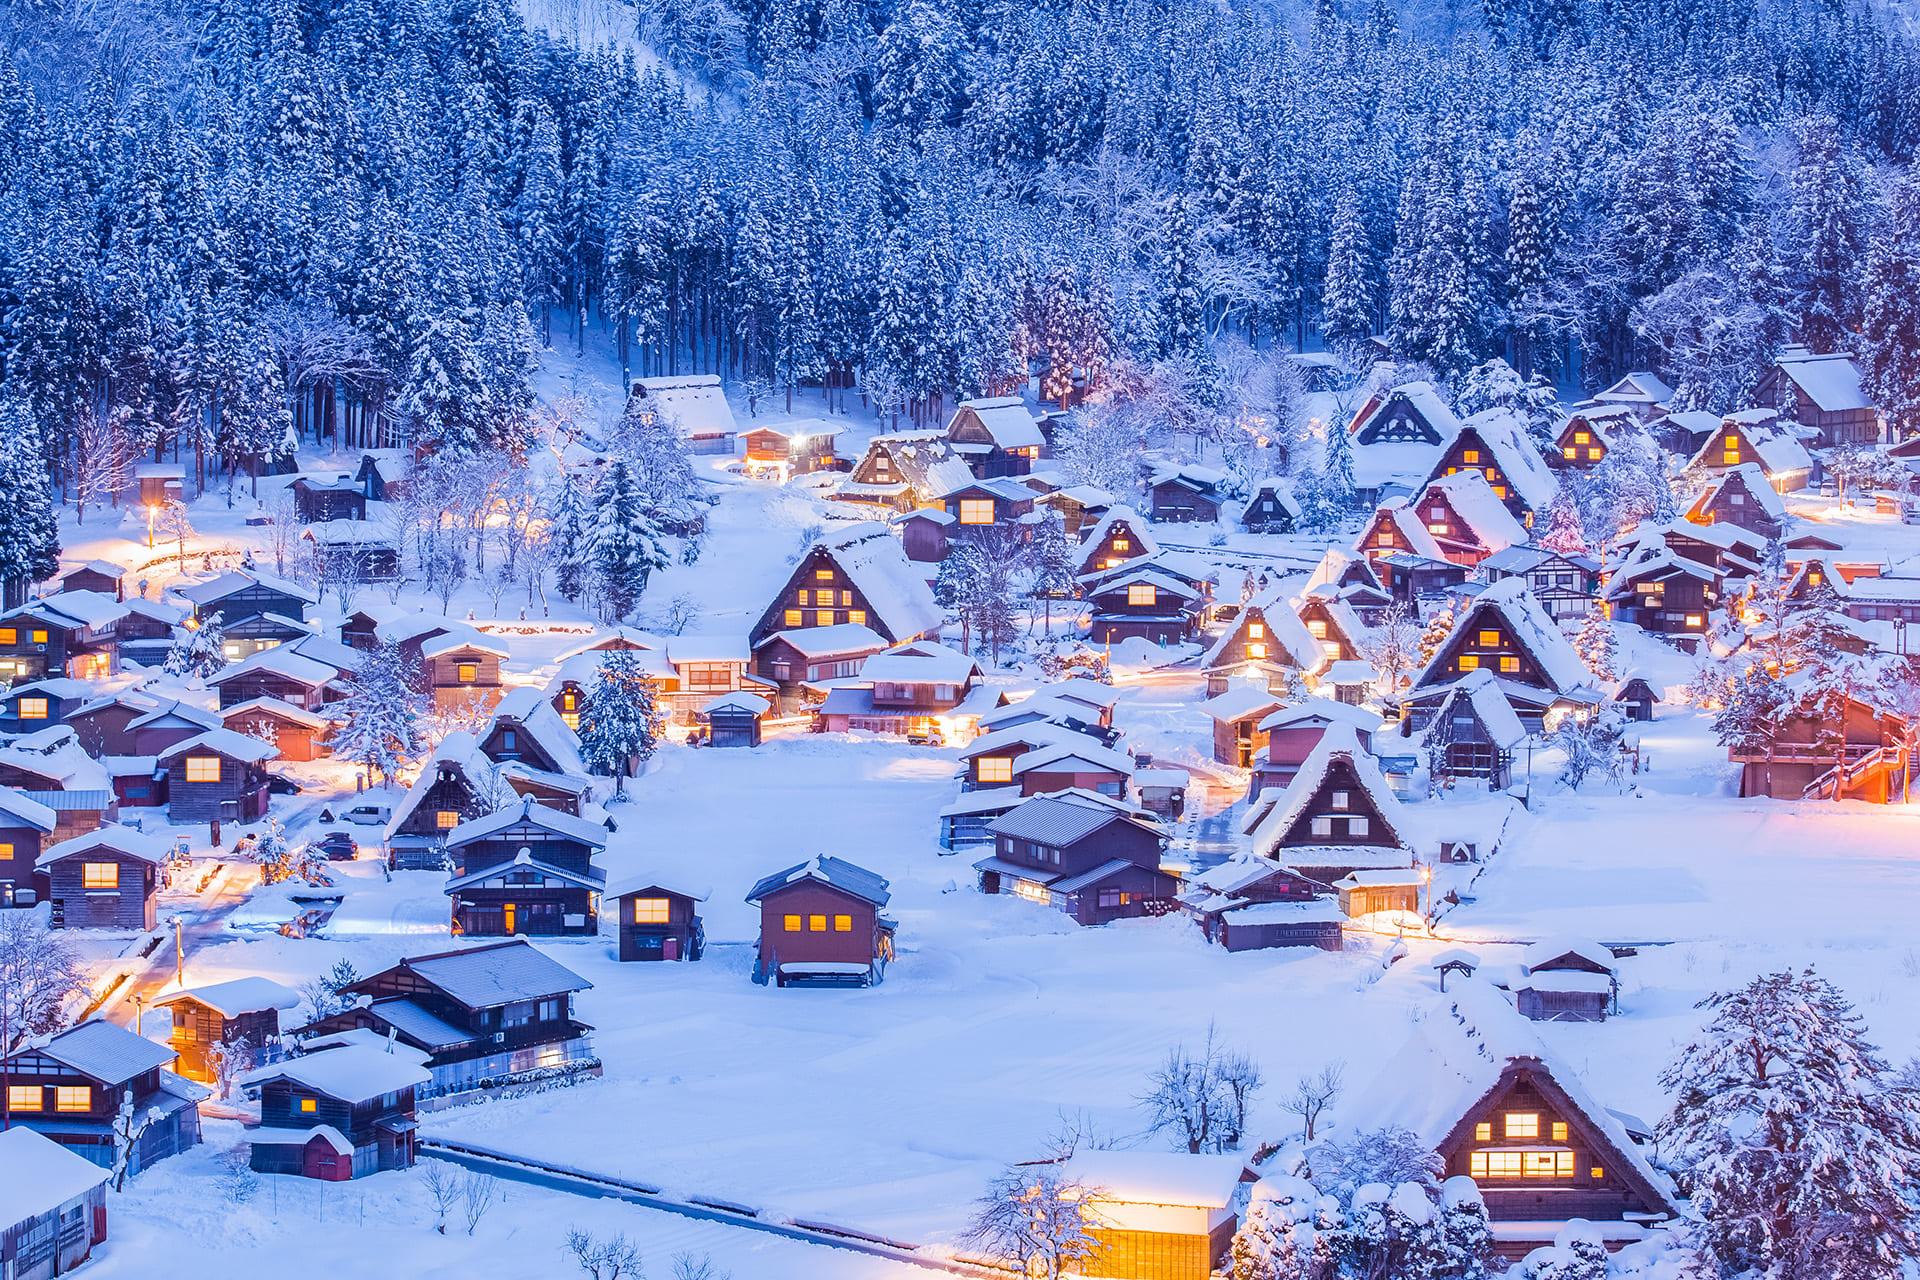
(922, 662)
(280, 661)
(1473, 500)
(1779, 450)
(79, 608)
(1241, 702)
(1309, 711)
(1173, 1178)
(225, 742)
(1559, 664)
(1405, 518)
(531, 812)
(694, 403)
(751, 703)
(1482, 689)
(460, 749)
(703, 646)
(1028, 735)
(818, 642)
(351, 533)
(1285, 630)
(896, 591)
(602, 641)
(112, 838)
(1053, 821)
(826, 869)
(236, 996)
(1638, 388)
(105, 1052)
(222, 585)
(364, 1036)
(1339, 742)
(466, 638)
(798, 428)
(1754, 479)
(1521, 465)
(641, 881)
(39, 1176)
(1831, 381)
(276, 708)
(24, 811)
(1007, 419)
(349, 1073)
(1143, 540)
(1553, 948)
(532, 713)
(1082, 750)
(496, 973)
(265, 1135)
(54, 753)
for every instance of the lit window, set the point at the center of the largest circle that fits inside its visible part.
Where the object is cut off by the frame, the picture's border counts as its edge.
(1597, 1173)
(1695, 620)
(1523, 1124)
(823, 617)
(39, 636)
(1469, 456)
(1731, 457)
(1495, 1164)
(1509, 664)
(203, 768)
(231, 650)
(804, 600)
(26, 1097)
(1256, 650)
(33, 708)
(651, 910)
(1731, 442)
(846, 598)
(816, 924)
(1559, 1130)
(976, 511)
(6, 851)
(1483, 1132)
(790, 923)
(309, 1105)
(1469, 662)
(1568, 451)
(858, 617)
(1141, 593)
(792, 618)
(1317, 628)
(100, 875)
(73, 1097)
(1593, 454)
(1500, 491)
(1813, 577)
(995, 768)
(1490, 638)
(9, 635)
(1256, 631)
(446, 819)
(823, 575)
(1122, 544)
(843, 924)
(1581, 437)
(466, 672)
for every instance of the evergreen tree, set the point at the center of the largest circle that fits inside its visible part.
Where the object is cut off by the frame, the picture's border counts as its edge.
(29, 532)
(1564, 534)
(573, 524)
(1596, 644)
(1890, 312)
(197, 651)
(1825, 232)
(620, 722)
(626, 546)
(380, 716)
(1347, 302)
(1053, 558)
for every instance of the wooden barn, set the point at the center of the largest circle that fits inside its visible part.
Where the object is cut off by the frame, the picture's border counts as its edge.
(1082, 855)
(1251, 903)
(997, 435)
(926, 534)
(858, 575)
(658, 921)
(1861, 754)
(1466, 519)
(822, 924)
(1237, 712)
(526, 730)
(104, 576)
(978, 506)
(1823, 392)
(1567, 980)
(484, 1016)
(319, 499)
(525, 869)
(1636, 698)
(791, 449)
(1184, 495)
(219, 775)
(354, 551)
(463, 670)
(55, 1211)
(1271, 508)
(733, 719)
(240, 1017)
(1474, 732)
(1758, 438)
(105, 879)
(70, 1088)
(1139, 601)
(337, 1114)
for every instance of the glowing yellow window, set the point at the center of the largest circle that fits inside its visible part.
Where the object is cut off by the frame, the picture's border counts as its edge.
(1559, 1130)
(846, 598)
(976, 511)
(73, 1097)
(203, 768)
(843, 924)
(1141, 593)
(1490, 638)
(1731, 442)
(1256, 631)
(39, 636)
(1123, 544)
(467, 672)
(790, 923)
(823, 617)
(1509, 663)
(823, 575)
(6, 851)
(26, 1097)
(1469, 456)
(995, 768)
(1593, 454)
(446, 819)
(100, 875)
(1597, 1173)
(1813, 577)
(309, 1105)
(1256, 649)
(1500, 491)
(1317, 628)
(804, 601)
(1437, 526)
(817, 924)
(651, 911)
(1581, 437)
(1495, 1164)
(858, 617)
(1695, 620)
(33, 708)
(1469, 662)
(1483, 1132)
(9, 635)
(1523, 1124)
(1568, 451)
(792, 618)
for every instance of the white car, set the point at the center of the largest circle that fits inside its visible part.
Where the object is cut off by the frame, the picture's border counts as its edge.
(369, 815)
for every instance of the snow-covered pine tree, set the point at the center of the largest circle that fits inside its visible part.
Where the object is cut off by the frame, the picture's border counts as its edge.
(29, 532)
(197, 651)
(620, 721)
(1597, 644)
(1347, 300)
(1052, 559)
(626, 546)
(1564, 534)
(573, 518)
(1798, 1148)
(380, 716)
(1438, 630)
(1276, 1238)
(1824, 229)
(1890, 311)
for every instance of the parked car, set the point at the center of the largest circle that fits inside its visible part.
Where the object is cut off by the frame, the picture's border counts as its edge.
(337, 846)
(369, 815)
(279, 786)
(928, 737)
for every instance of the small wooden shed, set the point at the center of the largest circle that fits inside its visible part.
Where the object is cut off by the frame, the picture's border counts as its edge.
(733, 719)
(658, 921)
(243, 1013)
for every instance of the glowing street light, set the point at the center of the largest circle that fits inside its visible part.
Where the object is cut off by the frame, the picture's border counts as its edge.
(152, 513)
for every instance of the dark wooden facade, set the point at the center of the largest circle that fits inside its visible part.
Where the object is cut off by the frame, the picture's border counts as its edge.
(52, 1093)
(659, 923)
(821, 923)
(46, 1232)
(550, 890)
(206, 781)
(376, 1132)
(315, 501)
(1096, 866)
(104, 880)
(1161, 611)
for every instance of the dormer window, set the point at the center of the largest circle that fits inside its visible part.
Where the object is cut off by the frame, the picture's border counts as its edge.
(1339, 799)
(1470, 456)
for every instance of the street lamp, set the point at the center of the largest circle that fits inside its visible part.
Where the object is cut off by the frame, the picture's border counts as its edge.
(179, 952)
(152, 513)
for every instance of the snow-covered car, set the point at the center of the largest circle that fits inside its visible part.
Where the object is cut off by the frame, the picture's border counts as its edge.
(337, 846)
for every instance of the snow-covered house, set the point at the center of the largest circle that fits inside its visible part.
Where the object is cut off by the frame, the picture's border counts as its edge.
(1756, 436)
(1081, 854)
(1823, 392)
(1647, 394)
(1475, 1084)
(1334, 624)
(1857, 750)
(1588, 435)
(456, 783)
(1566, 980)
(693, 404)
(1236, 712)
(1079, 505)
(1184, 494)
(987, 761)
(822, 923)
(1505, 631)
(53, 1206)
(1142, 599)
(280, 672)
(71, 1086)
(494, 1013)
(657, 920)
(1474, 732)
(336, 1114)
(1337, 815)
(1664, 592)
(526, 730)
(1074, 762)
(1466, 518)
(1295, 730)
(1395, 528)
(1271, 508)
(789, 449)
(903, 471)
(25, 825)
(1250, 903)
(1494, 443)
(108, 577)
(35, 704)
(247, 594)
(1741, 496)
(239, 1017)
(1397, 436)
(105, 879)
(1266, 640)
(68, 634)
(859, 575)
(997, 435)
(919, 689)
(527, 869)
(1120, 536)
(461, 670)
(298, 734)
(977, 506)
(1565, 584)
(790, 660)
(1159, 1215)
(51, 768)
(218, 775)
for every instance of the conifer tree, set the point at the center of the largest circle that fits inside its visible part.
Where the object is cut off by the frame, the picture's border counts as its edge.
(1890, 312)
(380, 716)
(626, 546)
(620, 721)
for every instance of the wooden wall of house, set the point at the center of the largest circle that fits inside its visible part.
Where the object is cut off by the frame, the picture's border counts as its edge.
(265, 684)
(240, 794)
(846, 603)
(19, 849)
(1041, 781)
(640, 941)
(129, 906)
(805, 900)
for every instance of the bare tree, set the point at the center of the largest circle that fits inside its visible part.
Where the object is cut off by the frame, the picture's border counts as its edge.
(1037, 1218)
(477, 1194)
(229, 1059)
(1393, 647)
(283, 534)
(130, 1125)
(103, 454)
(686, 1266)
(1313, 1094)
(39, 974)
(1203, 1099)
(444, 1189)
(607, 1258)
(173, 522)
